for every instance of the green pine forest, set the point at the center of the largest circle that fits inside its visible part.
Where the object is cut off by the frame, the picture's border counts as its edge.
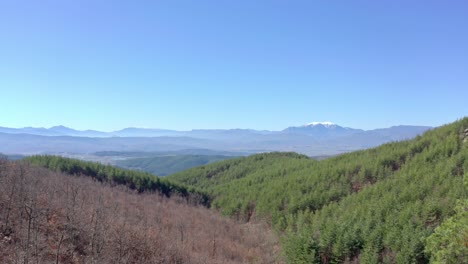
(373, 206)
(402, 202)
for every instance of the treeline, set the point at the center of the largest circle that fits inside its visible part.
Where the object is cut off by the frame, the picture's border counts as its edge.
(373, 206)
(135, 180)
(51, 217)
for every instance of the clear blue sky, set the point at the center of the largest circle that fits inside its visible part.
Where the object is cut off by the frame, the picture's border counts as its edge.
(106, 65)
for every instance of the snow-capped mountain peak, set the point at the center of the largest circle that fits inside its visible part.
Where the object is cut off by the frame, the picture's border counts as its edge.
(326, 124)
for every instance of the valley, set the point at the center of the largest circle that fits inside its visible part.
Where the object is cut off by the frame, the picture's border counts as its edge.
(229, 132)
(380, 205)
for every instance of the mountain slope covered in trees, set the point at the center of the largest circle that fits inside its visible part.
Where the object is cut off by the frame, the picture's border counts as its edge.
(135, 180)
(165, 165)
(53, 217)
(376, 205)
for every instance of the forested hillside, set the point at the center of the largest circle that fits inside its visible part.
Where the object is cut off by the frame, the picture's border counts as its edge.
(168, 164)
(52, 217)
(376, 205)
(140, 181)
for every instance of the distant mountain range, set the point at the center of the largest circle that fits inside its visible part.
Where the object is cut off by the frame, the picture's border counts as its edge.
(322, 130)
(317, 138)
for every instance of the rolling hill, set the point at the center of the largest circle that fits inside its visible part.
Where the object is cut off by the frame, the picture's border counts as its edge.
(376, 205)
(165, 165)
(134, 180)
(52, 217)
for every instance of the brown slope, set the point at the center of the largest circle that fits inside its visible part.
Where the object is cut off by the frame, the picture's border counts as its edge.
(46, 217)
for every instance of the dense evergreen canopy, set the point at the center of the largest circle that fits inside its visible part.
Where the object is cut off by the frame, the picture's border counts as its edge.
(376, 205)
